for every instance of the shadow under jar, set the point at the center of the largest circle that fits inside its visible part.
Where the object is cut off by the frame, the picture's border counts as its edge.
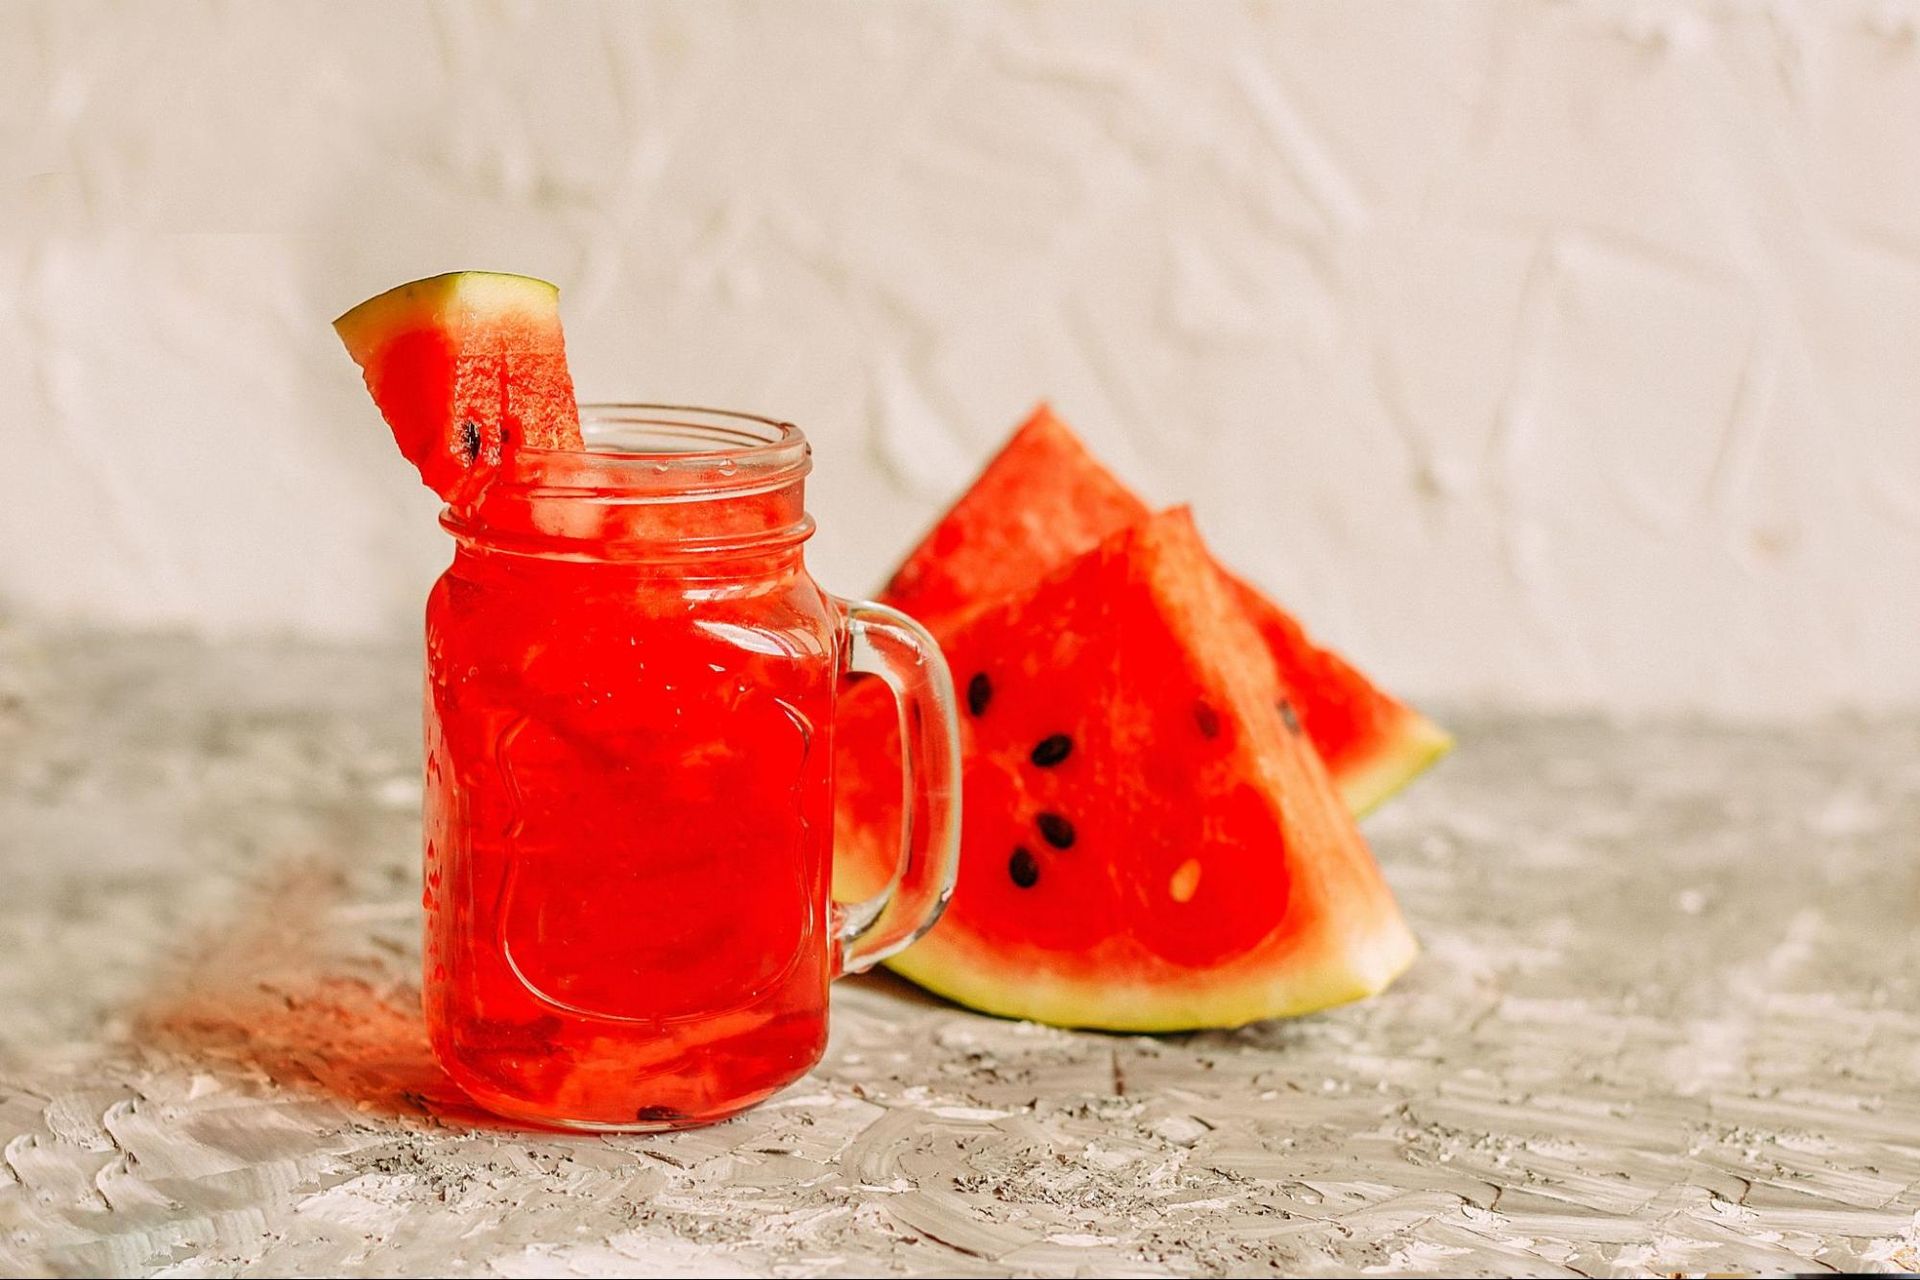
(631, 681)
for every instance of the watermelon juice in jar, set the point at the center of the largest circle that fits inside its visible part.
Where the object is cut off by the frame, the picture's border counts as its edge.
(631, 682)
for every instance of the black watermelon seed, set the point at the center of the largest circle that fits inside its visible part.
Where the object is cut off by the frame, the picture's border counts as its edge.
(1057, 830)
(1288, 714)
(979, 693)
(470, 439)
(1053, 750)
(1208, 719)
(1024, 868)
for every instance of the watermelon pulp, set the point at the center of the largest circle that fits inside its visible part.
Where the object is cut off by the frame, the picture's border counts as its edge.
(466, 368)
(1044, 499)
(1150, 842)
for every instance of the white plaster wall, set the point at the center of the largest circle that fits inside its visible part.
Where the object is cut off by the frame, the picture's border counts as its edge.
(1566, 353)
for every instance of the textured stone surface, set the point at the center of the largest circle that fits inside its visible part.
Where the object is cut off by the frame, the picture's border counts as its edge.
(1668, 1019)
(1581, 331)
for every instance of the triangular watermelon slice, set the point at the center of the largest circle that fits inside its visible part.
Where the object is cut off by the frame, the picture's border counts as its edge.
(466, 368)
(1149, 842)
(1044, 499)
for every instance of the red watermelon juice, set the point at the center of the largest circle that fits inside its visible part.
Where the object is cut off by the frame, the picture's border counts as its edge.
(631, 682)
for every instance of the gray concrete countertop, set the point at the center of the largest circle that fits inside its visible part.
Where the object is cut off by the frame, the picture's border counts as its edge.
(1667, 1020)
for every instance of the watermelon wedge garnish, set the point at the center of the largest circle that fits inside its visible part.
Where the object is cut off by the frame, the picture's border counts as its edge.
(466, 368)
(1150, 842)
(1044, 499)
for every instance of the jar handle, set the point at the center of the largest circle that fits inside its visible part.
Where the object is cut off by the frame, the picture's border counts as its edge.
(887, 643)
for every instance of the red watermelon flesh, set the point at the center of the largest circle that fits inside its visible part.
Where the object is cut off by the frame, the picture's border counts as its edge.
(1149, 844)
(466, 368)
(1044, 499)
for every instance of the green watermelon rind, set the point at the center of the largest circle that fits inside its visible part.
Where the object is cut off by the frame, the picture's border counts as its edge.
(363, 328)
(1403, 754)
(1365, 967)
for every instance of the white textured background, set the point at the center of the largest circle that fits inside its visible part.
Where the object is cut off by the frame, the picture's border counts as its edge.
(1564, 353)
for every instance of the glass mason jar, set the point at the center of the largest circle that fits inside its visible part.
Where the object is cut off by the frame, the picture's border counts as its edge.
(631, 681)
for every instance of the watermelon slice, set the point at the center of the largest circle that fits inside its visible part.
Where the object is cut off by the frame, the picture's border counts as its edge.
(1044, 499)
(466, 368)
(1150, 842)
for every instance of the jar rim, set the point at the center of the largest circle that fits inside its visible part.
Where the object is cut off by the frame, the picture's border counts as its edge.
(639, 452)
(744, 469)
(685, 437)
